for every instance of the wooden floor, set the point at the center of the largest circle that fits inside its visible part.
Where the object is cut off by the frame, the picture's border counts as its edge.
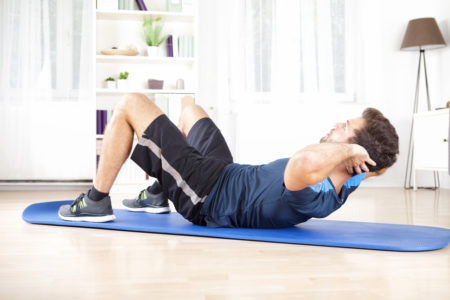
(50, 262)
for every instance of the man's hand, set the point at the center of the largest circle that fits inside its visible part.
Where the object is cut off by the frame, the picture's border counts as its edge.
(357, 162)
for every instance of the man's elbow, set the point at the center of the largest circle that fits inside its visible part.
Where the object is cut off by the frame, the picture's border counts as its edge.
(303, 170)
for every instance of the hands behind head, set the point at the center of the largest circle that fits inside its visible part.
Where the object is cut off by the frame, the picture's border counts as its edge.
(357, 161)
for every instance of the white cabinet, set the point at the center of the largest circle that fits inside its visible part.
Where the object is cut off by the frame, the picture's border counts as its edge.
(431, 150)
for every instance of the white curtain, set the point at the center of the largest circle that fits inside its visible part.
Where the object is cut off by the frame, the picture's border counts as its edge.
(46, 90)
(266, 63)
(282, 50)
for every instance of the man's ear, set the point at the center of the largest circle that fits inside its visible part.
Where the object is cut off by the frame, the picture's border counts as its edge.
(376, 173)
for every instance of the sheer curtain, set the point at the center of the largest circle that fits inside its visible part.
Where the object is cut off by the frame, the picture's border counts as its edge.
(46, 90)
(276, 64)
(283, 50)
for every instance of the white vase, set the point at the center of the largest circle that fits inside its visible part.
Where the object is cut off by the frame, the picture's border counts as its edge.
(110, 84)
(153, 51)
(122, 84)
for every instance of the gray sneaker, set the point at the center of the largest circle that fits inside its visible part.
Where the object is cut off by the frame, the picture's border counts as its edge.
(87, 210)
(148, 202)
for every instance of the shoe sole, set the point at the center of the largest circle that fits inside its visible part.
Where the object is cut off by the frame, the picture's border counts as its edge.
(152, 210)
(99, 219)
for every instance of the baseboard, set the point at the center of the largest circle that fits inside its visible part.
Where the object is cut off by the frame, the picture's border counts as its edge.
(44, 185)
(65, 185)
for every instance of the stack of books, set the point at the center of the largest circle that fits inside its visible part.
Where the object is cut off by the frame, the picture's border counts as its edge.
(103, 116)
(180, 46)
(126, 4)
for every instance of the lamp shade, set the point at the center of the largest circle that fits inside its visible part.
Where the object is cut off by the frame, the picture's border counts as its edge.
(421, 34)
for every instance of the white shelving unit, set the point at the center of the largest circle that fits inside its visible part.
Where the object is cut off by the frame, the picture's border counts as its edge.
(124, 27)
(142, 91)
(133, 14)
(144, 59)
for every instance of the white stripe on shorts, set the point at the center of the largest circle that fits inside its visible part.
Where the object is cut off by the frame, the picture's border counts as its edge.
(171, 170)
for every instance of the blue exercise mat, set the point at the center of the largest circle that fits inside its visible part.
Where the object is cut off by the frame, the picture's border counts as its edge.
(363, 235)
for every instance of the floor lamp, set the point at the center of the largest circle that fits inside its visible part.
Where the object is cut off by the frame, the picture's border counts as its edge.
(421, 34)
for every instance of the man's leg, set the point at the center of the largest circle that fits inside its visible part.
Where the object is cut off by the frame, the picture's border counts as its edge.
(187, 161)
(133, 114)
(206, 138)
(152, 198)
(190, 114)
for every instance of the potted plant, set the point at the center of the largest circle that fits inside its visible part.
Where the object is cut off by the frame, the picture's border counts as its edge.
(122, 83)
(110, 83)
(153, 35)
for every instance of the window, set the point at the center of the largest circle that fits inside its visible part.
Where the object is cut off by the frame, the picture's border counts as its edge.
(297, 48)
(45, 50)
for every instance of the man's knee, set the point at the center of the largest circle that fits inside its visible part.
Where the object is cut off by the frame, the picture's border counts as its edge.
(132, 100)
(189, 116)
(132, 103)
(138, 111)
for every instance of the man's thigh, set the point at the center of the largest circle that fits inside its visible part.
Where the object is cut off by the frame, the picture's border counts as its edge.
(186, 176)
(206, 137)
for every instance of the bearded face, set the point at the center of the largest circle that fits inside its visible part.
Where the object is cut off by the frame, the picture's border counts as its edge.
(343, 132)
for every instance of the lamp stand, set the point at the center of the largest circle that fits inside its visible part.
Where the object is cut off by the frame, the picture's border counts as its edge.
(409, 163)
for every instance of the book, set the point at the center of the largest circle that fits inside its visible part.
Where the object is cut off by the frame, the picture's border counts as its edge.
(101, 122)
(103, 117)
(185, 46)
(189, 46)
(175, 46)
(104, 121)
(170, 46)
(174, 5)
(141, 5)
(133, 5)
(181, 46)
(98, 122)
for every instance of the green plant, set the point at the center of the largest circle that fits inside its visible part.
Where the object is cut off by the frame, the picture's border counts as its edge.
(123, 75)
(109, 79)
(153, 31)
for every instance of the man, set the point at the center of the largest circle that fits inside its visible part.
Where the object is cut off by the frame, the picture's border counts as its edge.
(195, 170)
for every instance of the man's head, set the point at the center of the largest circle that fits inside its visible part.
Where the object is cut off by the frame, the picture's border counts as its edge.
(373, 132)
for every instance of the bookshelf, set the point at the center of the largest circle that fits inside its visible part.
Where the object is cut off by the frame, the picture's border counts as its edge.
(144, 59)
(142, 91)
(133, 14)
(121, 28)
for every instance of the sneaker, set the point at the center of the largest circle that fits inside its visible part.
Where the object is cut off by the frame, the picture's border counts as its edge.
(87, 210)
(148, 202)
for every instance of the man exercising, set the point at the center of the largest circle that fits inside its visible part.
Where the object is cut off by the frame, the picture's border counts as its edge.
(195, 170)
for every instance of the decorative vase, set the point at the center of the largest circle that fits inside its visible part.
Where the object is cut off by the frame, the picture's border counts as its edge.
(110, 84)
(180, 84)
(122, 84)
(153, 51)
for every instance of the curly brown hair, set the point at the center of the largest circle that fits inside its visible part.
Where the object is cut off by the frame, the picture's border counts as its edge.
(379, 138)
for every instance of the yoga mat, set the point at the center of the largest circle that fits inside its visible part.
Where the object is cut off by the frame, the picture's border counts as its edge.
(377, 236)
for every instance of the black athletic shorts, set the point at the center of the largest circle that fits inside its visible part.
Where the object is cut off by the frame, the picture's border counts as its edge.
(186, 168)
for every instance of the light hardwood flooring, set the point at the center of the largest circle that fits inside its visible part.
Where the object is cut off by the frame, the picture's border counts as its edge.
(51, 262)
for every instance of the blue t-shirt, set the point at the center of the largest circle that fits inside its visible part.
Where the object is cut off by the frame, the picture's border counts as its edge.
(255, 197)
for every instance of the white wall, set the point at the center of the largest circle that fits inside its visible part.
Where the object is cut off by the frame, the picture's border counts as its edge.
(385, 80)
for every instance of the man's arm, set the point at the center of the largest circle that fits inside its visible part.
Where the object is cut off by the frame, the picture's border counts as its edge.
(314, 163)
